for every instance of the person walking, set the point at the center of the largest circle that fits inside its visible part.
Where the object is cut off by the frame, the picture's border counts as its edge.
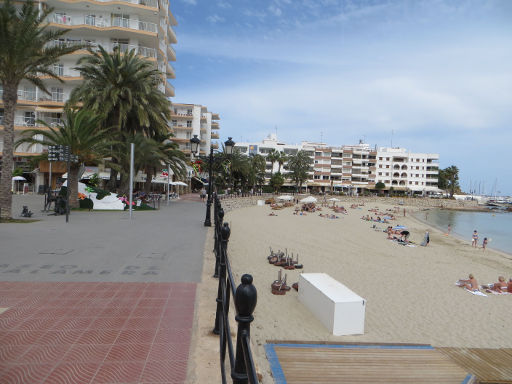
(202, 193)
(475, 239)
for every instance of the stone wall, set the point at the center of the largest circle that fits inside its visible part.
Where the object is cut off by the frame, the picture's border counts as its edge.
(232, 203)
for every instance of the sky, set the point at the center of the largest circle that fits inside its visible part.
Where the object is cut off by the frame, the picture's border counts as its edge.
(432, 76)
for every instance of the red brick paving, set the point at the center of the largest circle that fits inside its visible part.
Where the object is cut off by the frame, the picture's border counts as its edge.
(85, 333)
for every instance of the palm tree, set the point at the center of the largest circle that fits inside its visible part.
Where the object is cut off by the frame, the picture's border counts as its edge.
(299, 166)
(80, 132)
(25, 54)
(158, 153)
(123, 88)
(257, 170)
(281, 159)
(272, 156)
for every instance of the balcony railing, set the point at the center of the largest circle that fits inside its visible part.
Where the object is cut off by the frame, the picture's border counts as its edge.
(104, 23)
(140, 50)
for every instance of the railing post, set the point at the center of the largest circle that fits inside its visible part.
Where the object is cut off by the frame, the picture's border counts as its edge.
(225, 231)
(245, 302)
(218, 223)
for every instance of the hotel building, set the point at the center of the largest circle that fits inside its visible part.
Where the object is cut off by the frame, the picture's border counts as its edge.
(356, 168)
(188, 120)
(143, 25)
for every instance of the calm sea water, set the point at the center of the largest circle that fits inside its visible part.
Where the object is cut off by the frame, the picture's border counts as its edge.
(496, 226)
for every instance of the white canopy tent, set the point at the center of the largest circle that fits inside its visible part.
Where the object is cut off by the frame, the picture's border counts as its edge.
(309, 199)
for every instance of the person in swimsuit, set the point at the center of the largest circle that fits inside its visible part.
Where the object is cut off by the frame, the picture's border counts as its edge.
(475, 239)
(484, 243)
(470, 284)
(500, 286)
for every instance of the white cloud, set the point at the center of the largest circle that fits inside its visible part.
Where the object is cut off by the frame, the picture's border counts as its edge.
(215, 19)
(223, 4)
(275, 10)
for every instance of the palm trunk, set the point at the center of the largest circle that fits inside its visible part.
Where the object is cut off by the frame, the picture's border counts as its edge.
(149, 177)
(73, 185)
(10, 98)
(125, 184)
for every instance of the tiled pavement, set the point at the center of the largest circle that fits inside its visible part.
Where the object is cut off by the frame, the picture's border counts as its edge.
(89, 332)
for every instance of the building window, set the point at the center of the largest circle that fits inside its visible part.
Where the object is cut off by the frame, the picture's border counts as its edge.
(416, 183)
(57, 94)
(1, 116)
(30, 119)
(387, 166)
(174, 123)
(58, 69)
(387, 158)
(189, 123)
(380, 173)
(189, 112)
(189, 135)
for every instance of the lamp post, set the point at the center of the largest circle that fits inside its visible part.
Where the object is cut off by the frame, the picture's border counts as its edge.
(229, 144)
(194, 147)
(207, 220)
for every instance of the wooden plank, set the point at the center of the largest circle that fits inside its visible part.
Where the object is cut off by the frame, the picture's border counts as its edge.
(489, 365)
(365, 365)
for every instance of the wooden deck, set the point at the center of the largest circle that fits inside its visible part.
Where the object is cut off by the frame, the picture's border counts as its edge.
(362, 363)
(488, 365)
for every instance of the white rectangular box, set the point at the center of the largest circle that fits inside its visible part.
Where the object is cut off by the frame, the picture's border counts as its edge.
(336, 306)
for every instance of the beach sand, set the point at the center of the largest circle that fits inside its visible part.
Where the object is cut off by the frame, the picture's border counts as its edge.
(410, 291)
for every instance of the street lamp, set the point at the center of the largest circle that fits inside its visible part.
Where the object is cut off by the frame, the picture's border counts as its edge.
(229, 144)
(194, 144)
(207, 220)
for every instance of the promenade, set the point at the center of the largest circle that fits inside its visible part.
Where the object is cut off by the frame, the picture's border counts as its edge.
(102, 299)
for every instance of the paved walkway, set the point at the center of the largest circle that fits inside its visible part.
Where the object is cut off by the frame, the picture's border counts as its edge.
(103, 299)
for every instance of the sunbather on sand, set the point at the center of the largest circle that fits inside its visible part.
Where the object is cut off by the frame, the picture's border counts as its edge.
(470, 284)
(500, 286)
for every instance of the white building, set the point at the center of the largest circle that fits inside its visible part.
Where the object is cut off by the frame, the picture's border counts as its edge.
(143, 25)
(355, 168)
(188, 120)
(400, 169)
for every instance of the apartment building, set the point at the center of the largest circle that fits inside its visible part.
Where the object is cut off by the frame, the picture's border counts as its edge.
(355, 168)
(143, 25)
(188, 120)
(403, 170)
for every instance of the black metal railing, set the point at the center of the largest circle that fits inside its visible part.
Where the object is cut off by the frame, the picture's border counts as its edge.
(245, 298)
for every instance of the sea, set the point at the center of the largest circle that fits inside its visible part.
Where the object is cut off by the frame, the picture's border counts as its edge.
(496, 225)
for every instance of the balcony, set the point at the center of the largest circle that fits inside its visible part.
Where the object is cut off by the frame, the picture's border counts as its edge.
(146, 3)
(139, 50)
(215, 126)
(169, 89)
(215, 136)
(171, 53)
(100, 22)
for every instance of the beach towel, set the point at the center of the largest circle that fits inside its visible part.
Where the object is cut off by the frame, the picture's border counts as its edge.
(496, 293)
(477, 293)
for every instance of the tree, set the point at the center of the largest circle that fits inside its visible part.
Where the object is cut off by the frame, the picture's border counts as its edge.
(449, 179)
(272, 156)
(281, 159)
(380, 187)
(256, 170)
(123, 88)
(299, 165)
(26, 54)
(159, 153)
(276, 181)
(80, 132)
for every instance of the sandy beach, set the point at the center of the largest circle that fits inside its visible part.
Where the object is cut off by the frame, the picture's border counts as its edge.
(410, 291)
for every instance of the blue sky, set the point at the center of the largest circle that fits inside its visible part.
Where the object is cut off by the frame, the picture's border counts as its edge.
(432, 76)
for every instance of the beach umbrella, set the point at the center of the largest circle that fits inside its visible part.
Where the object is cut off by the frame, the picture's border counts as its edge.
(285, 197)
(309, 199)
(333, 199)
(17, 178)
(399, 227)
(180, 183)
